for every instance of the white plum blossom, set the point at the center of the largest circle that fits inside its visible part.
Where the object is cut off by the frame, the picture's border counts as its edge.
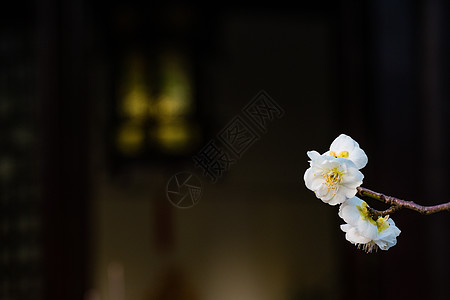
(332, 179)
(365, 231)
(345, 147)
(335, 177)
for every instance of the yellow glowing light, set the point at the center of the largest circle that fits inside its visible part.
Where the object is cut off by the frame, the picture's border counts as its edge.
(175, 99)
(135, 96)
(130, 138)
(174, 132)
(175, 136)
(172, 107)
(135, 103)
(170, 128)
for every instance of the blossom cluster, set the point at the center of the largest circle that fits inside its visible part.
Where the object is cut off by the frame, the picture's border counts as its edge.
(334, 177)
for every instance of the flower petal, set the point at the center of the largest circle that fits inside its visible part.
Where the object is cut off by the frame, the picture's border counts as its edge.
(367, 229)
(308, 177)
(359, 157)
(348, 192)
(353, 178)
(343, 143)
(349, 212)
(337, 199)
(388, 237)
(355, 153)
(353, 236)
(313, 154)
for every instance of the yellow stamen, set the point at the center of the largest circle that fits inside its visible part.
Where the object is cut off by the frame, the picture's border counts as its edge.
(365, 214)
(381, 223)
(368, 247)
(343, 154)
(332, 178)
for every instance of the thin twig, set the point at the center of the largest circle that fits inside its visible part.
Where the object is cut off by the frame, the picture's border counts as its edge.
(377, 213)
(397, 204)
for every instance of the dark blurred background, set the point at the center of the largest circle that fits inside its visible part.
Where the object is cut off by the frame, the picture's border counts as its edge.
(101, 103)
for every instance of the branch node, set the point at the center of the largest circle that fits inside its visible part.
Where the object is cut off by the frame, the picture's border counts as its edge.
(397, 204)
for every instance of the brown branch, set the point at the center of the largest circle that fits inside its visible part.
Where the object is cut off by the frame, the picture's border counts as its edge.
(377, 213)
(397, 204)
